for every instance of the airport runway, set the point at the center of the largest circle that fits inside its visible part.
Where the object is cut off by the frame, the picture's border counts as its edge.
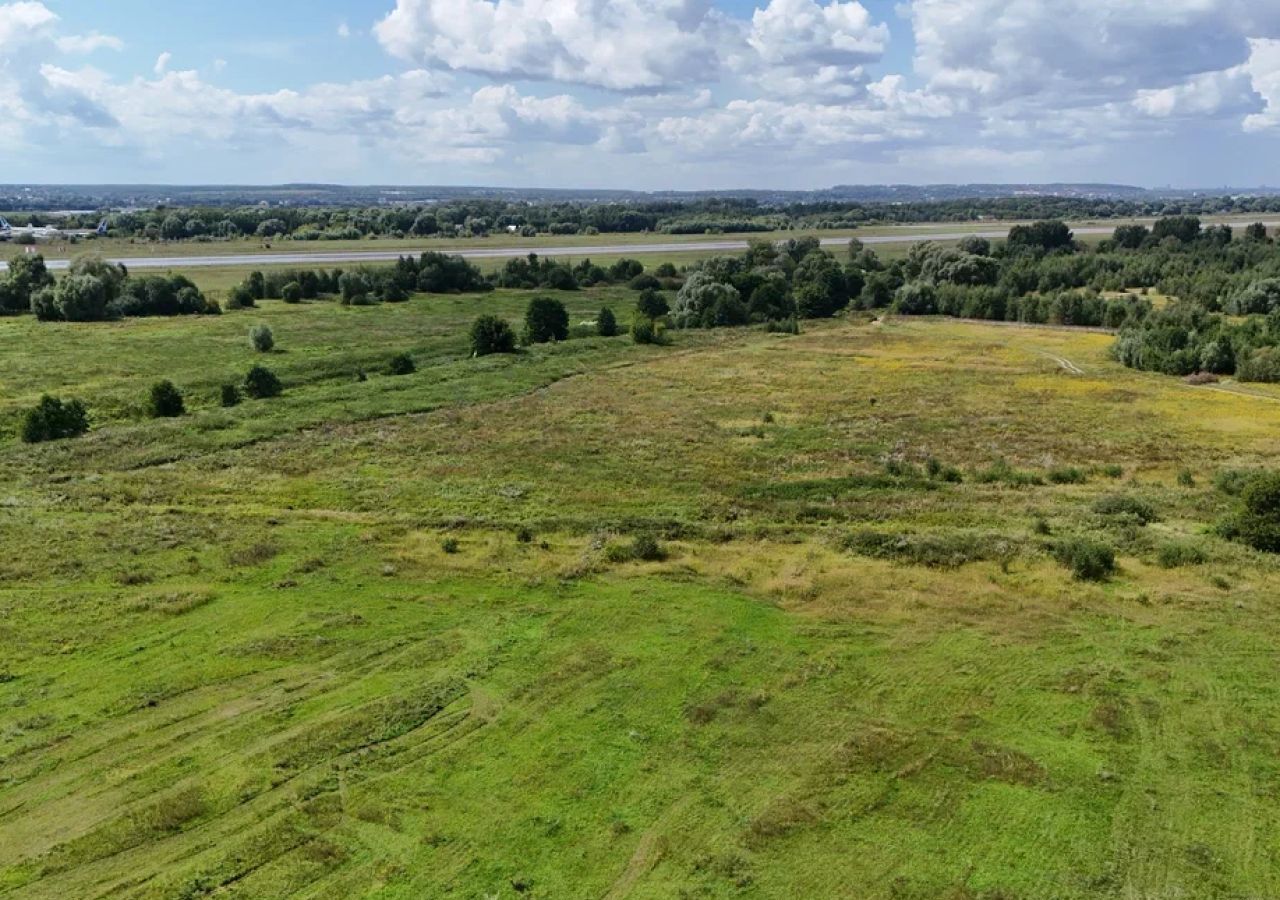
(322, 258)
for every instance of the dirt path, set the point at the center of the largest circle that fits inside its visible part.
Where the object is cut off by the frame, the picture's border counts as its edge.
(1065, 364)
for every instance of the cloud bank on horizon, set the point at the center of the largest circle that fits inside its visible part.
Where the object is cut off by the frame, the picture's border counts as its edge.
(676, 93)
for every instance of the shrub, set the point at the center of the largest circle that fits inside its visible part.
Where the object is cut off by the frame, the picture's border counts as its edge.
(932, 550)
(646, 548)
(1257, 522)
(545, 320)
(262, 338)
(291, 292)
(260, 383)
(401, 364)
(1121, 505)
(240, 297)
(229, 395)
(165, 401)
(52, 420)
(1088, 560)
(490, 334)
(643, 331)
(651, 304)
(1173, 555)
(524, 535)
(450, 545)
(1066, 475)
(606, 324)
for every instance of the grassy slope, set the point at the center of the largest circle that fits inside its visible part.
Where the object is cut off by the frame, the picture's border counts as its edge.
(237, 656)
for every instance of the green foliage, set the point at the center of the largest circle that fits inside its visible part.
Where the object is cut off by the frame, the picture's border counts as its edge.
(1088, 560)
(450, 545)
(546, 319)
(401, 364)
(261, 338)
(491, 334)
(1257, 520)
(945, 551)
(1172, 555)
(651, 304)
(229, 395)
(606, 323)
(52, 419)
(260, 383)
(291, 292)
(1125, 506)
(165, 401)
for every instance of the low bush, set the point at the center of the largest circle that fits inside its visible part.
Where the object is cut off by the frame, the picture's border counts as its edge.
(1088, 560)
(450, 545)
(261, 338)
(943, 551)
(1066, 475)
(229, 395)
(291, 292)
(1125, 506)
(260, 383)
(401, 364)
(52, 420)
(606, 323)
(490, 334)
(1257, 522)
(546, 319)
(165, 401)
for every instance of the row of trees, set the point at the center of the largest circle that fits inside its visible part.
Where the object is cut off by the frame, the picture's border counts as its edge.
(95, 290)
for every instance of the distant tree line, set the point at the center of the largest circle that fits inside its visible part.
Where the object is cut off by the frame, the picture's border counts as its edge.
(482, 217)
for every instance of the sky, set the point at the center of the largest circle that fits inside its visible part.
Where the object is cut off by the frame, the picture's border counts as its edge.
(644, 94)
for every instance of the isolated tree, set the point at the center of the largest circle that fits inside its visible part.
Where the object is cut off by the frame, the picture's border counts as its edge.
(51, 419)
(490, 334)
(606, 323)
(260, 382)
(546, 319)
(165, 401)
(261, 338)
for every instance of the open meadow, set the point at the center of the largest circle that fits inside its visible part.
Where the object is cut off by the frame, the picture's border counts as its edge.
(746, 615)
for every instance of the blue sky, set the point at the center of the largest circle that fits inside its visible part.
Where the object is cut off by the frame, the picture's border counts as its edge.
(641, 93)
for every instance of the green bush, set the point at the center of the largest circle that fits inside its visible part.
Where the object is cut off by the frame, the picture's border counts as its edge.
(1088, 560)
(1257, 522)
(651, 304)
(1124, 506)
(942, 551)
(450, 545)
(1066, 475)
(229, 395)
(291, 292)
(260, 383)
(490, 334)
(401, 364)
(165, 401)
(1174, 555)
(647, 549)
(606, 323)
(261, 338)
(545, 320)
(51, 420)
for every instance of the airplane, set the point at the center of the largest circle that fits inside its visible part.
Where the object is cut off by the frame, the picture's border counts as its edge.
(47, 232)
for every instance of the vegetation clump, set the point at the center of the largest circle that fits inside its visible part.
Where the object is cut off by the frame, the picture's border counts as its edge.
(491, 334)
(261, 383)
(1087, 559)
(1256, 522)
(401, 364)
(52, 419)
(165, 401)
(546, 319)
(262, 339)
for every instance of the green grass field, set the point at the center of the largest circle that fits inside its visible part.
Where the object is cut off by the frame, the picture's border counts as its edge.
(239, 659)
